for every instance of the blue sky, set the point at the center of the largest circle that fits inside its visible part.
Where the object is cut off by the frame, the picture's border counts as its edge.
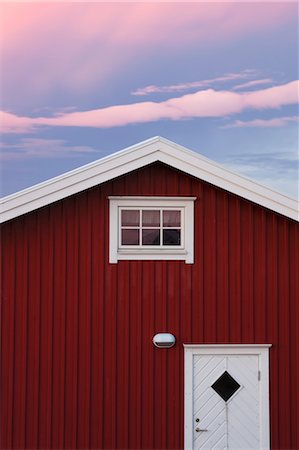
(82, 80)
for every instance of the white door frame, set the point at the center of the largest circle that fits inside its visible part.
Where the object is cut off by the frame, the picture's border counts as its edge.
(260, 350)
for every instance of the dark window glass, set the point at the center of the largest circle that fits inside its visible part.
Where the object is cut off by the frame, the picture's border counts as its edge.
(130, 218)
(150, 218)
(150, 237)
(171, 218)
(171, 237)
(225, 386)
(129, 237)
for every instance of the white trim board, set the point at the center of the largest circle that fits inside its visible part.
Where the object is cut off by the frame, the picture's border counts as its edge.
(260, 350)
(135, 157)
(183, 252)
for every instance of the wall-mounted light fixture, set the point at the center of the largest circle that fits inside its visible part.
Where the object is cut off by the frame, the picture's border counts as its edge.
(164, 340)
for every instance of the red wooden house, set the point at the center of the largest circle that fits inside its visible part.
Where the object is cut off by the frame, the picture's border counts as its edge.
(154, 246)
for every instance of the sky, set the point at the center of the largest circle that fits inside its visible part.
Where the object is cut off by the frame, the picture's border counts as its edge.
(81, 80)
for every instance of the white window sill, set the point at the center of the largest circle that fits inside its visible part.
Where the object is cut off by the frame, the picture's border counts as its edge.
(145, 251)
(155, 256)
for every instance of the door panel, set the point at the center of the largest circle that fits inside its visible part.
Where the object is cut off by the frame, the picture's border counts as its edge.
(224, 402)
(231, 423)
(208, 407)
(243, 409)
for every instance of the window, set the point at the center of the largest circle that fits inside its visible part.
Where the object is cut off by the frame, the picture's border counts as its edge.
(151, 228)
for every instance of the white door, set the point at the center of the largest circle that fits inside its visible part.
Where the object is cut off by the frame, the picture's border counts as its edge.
(226, 397)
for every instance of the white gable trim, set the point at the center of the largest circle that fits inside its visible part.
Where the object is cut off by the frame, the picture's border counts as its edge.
(135, 157)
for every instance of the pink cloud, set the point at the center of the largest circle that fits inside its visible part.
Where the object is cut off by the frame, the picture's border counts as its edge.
(263, 123)
(205, 103)
(12, 124)
(273, 97)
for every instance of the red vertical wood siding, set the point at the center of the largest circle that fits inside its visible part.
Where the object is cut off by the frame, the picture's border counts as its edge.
(78, 367)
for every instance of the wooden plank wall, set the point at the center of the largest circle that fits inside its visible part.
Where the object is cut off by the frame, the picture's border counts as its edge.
(78, 367)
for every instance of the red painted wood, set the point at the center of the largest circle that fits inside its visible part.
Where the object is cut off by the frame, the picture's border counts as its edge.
(123, 352)
(33, 331)
(110, 356)
(284, 335)
(78, 367)
(173, 382)
(160, 364)
(135, 356)
(209, 266)
(46, 327)
(222, 268)
(272, 323)
(247, 280)
(234, 276)
(8, 263)
(20, 406)
(59, 329)
(84, 327)
(148, 401)
(259, 274)
(97, 323)
(71, 331)
(294, 331)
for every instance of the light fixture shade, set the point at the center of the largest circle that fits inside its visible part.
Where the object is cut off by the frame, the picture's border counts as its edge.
(164, 340)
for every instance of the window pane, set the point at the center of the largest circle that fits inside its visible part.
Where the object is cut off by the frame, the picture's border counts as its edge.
(151, 237)
(130, 218)
(171, 218)
(172, 237)
(129, 237)
(151, 218)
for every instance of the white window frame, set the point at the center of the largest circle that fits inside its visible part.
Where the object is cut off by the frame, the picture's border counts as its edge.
(184, 251)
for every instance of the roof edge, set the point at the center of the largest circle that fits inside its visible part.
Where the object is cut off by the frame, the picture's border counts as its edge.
(137, 156)
(80, 169)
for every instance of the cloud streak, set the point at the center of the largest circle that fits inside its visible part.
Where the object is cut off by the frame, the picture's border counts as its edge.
(205, 103)
(278, 170)
(253, 83)
(263, 123)
(180, 87)
(42, 148)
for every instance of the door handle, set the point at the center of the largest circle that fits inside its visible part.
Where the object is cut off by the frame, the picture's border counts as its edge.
(200, 429)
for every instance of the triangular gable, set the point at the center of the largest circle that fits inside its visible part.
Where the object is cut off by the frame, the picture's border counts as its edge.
(135, 157)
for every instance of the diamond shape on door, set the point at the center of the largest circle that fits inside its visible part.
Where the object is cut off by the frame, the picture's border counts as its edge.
(225, 386)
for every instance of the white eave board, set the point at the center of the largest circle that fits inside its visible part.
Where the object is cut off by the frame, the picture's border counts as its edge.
(135, 157)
